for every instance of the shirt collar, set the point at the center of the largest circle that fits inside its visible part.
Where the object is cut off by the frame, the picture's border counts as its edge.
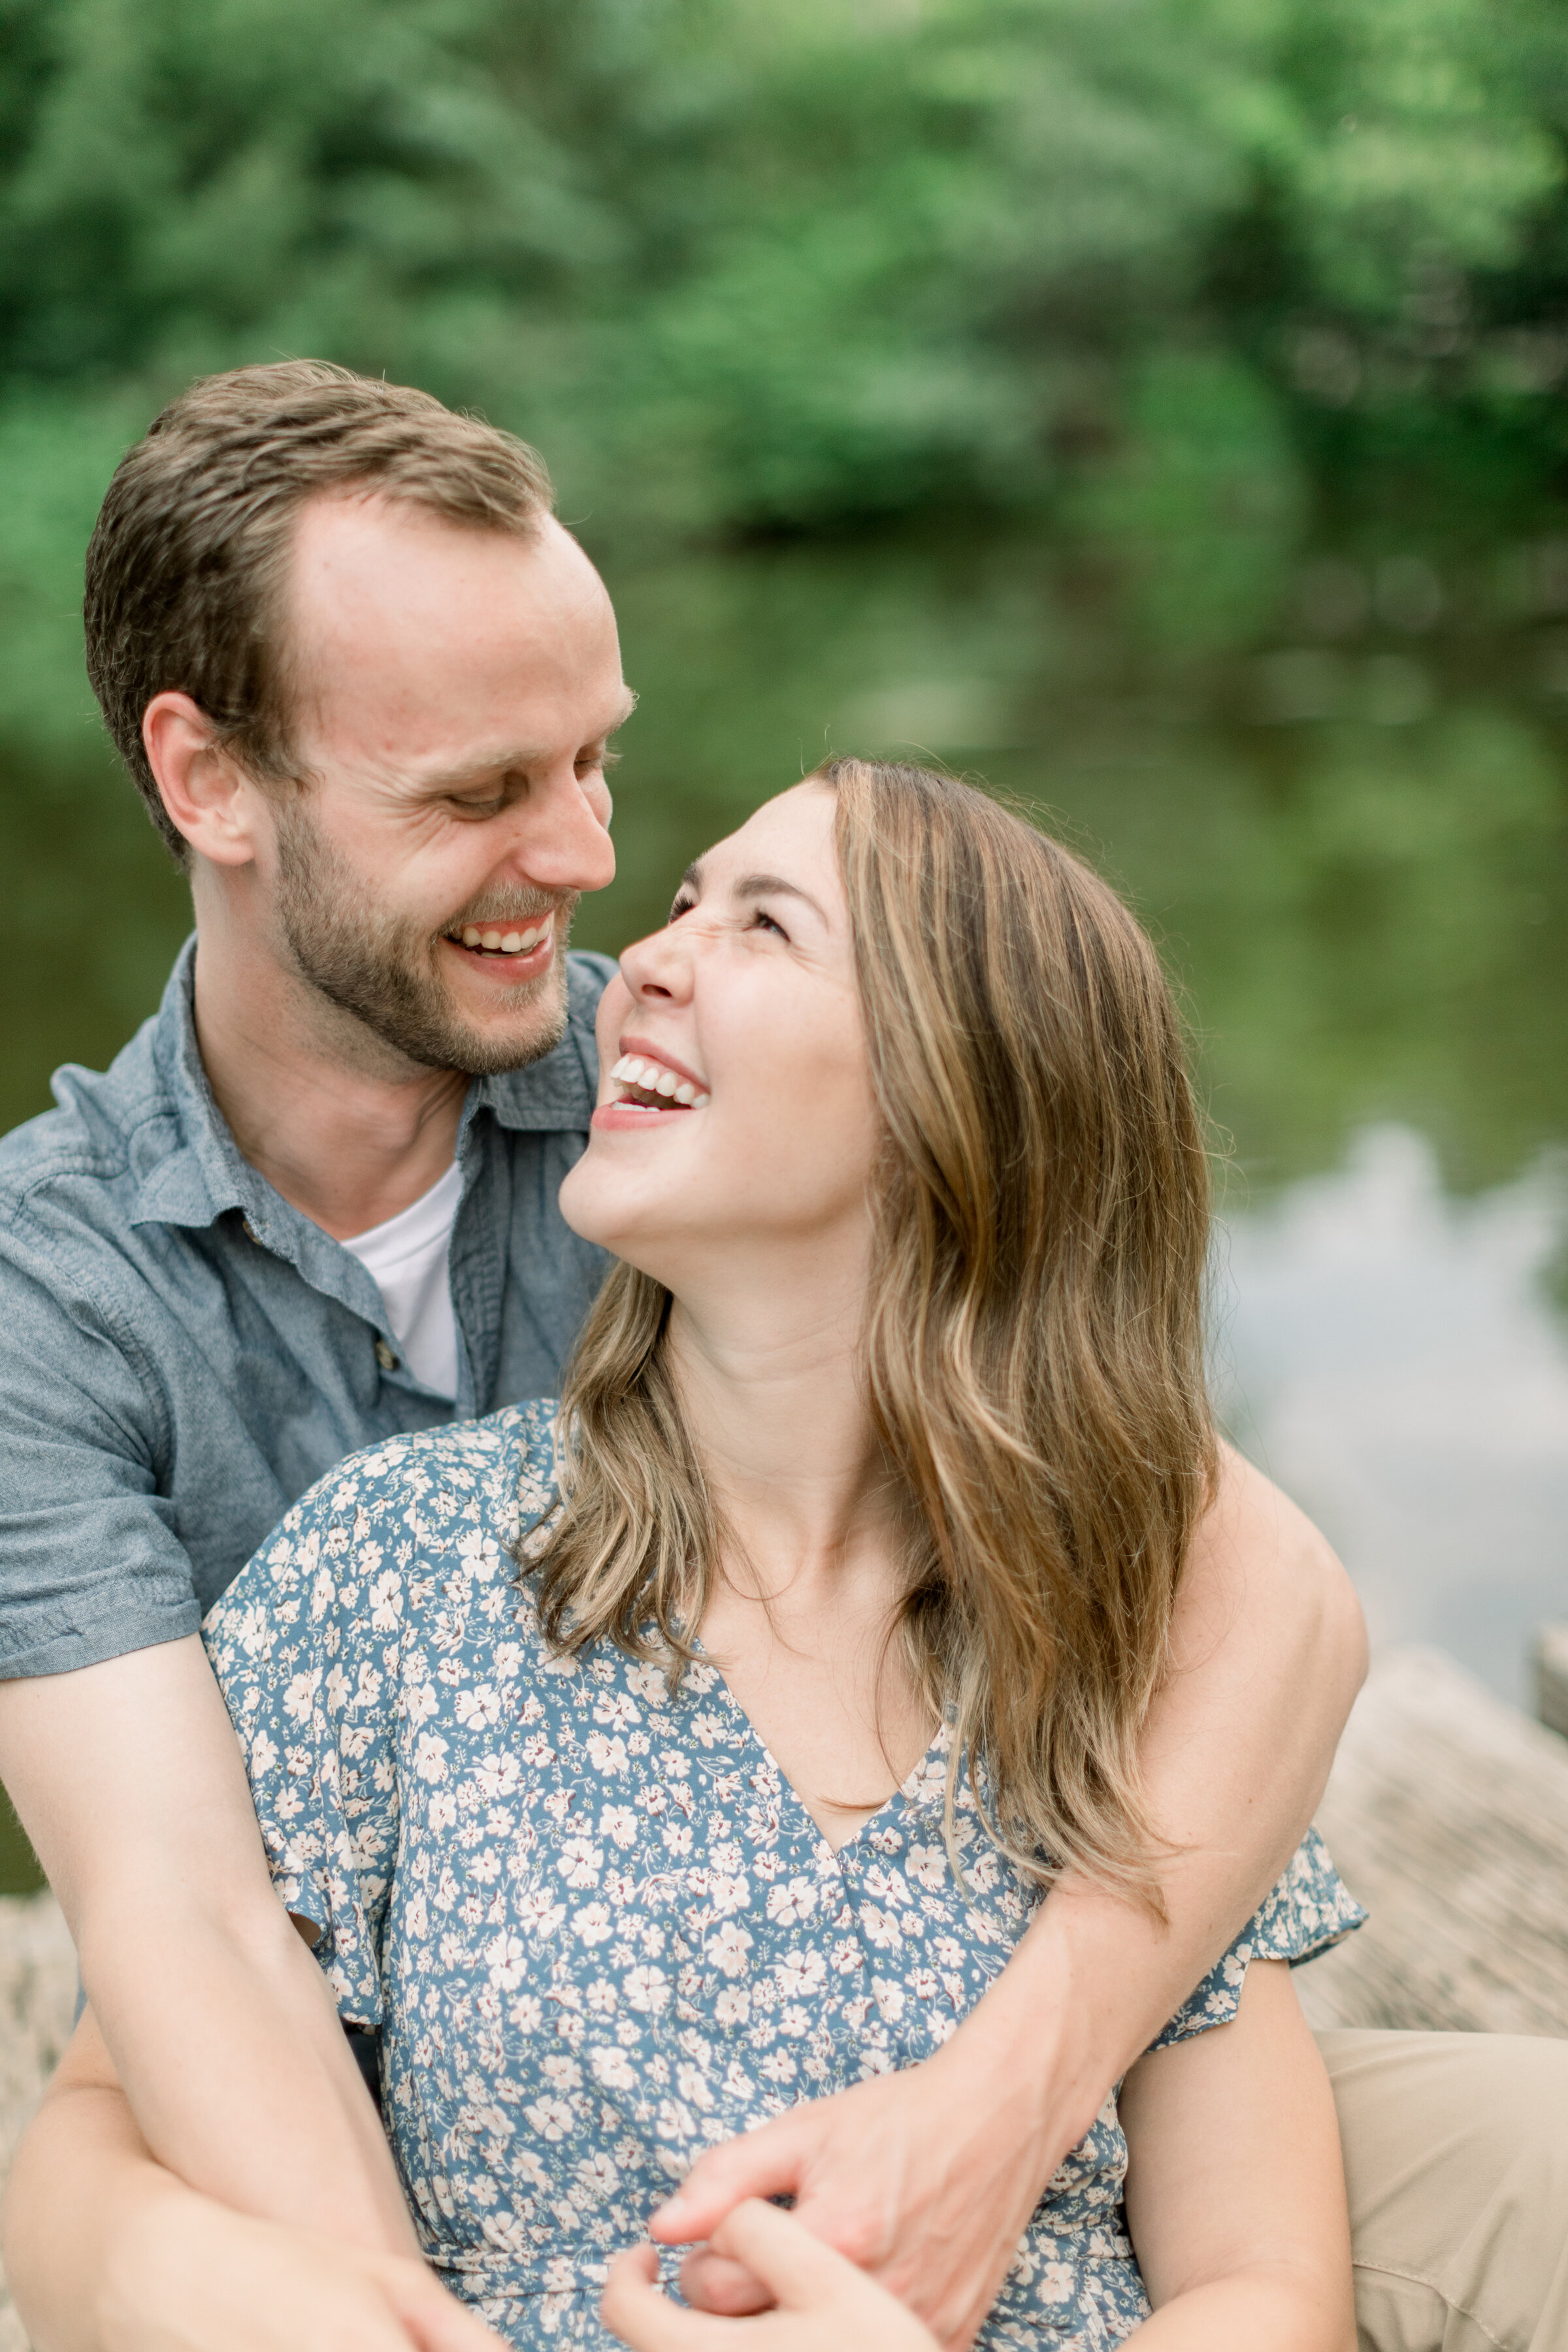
(205, 1173)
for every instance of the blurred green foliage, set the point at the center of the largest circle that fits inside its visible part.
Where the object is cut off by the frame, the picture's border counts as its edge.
(736, 263)
(1246, 321)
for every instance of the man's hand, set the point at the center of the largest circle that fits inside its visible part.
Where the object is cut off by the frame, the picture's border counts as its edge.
(818, 2302)
(925, 2178)
(198, 2278)
(110, 2252)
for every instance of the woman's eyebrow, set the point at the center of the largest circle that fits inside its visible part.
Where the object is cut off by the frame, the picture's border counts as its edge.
(773, 886)
(752, 885)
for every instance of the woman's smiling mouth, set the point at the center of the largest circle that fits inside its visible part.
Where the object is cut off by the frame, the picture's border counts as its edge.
(656, 1086)
(651, 1090)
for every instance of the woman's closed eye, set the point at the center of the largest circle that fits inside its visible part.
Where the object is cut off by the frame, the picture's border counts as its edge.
(759, 919)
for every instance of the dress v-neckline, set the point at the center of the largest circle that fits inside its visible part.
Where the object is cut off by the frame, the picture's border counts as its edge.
(903, 1795)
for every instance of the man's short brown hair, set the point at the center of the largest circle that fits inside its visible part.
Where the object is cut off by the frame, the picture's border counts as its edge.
(186, 566)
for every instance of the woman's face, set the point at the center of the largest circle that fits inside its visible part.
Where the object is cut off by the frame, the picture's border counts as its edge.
(735, 1100)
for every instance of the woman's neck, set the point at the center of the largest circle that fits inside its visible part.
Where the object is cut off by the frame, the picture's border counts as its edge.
(773, 1406)
(798, 1620)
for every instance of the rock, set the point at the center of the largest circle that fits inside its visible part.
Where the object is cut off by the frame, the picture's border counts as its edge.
(1446, 1814)
(38, 2004)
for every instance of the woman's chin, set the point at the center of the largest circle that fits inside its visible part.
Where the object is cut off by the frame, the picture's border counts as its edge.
(602, 1207)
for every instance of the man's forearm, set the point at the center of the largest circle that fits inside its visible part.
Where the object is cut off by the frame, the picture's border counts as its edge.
(222, 2028)
(1267, 1653)
(107, 2251)
(928, 2177)
(240, 2076)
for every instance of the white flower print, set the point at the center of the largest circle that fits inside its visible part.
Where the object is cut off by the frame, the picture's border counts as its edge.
(613, 2068)
(580, 1861)
(593, 1952)
(480, 1705)
(647, 1988)
(793, 1899)
(299, 1696)
(801, 1972)
(550, 2119)
(507, 1956)
(728, 1948)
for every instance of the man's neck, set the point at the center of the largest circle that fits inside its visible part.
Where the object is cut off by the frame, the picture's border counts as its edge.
(347, 1130)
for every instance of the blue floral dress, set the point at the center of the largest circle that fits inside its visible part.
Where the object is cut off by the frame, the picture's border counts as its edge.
(595, 1925)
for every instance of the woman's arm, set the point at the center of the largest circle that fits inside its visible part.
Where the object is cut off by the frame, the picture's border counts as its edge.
(1236, 2193)
(106, 2251)
(927, 2178)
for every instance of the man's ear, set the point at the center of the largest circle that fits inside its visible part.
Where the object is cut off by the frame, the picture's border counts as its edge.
(207, 794)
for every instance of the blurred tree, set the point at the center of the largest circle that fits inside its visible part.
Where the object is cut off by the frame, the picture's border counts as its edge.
(737, 266)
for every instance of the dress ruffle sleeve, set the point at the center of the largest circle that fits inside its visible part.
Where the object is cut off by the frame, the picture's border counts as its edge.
(304, 1647)
(1310, 1909)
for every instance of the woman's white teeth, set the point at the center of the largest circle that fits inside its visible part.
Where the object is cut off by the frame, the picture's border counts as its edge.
(652, 1078)
(504, 942)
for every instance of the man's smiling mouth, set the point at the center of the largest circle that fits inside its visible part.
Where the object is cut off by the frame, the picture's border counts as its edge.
(503, 939)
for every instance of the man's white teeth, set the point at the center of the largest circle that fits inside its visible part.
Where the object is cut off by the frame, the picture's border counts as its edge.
(504, 942)
(652, 1078)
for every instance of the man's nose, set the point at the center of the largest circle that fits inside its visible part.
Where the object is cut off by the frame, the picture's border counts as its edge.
(560, 840)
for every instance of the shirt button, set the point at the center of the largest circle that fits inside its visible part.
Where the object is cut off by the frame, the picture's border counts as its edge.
(385, 1357)
(250, 1233)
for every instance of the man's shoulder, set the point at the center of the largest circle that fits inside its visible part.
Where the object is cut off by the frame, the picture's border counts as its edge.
(103, 1122)
(560, 1090)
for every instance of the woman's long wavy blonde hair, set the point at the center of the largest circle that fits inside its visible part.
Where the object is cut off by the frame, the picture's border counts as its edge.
(1032, 1344)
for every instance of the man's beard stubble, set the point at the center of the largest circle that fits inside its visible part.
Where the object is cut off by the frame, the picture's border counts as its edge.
(383, 970)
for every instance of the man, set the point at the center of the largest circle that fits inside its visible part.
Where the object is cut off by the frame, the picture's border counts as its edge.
(366, 685)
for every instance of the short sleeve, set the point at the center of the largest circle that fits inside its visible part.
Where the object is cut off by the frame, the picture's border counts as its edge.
(91, 1564)
(1310, 1909)
(305, 1646)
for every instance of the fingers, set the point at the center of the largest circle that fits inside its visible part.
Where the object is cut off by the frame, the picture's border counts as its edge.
(797, 2269)
(436, 2321)
(635, 2308)
(709, 2283)
(768, 2162)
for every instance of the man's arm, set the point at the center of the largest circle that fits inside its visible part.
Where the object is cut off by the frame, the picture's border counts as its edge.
(129, 1781)
(106, 2251)
(927, 2178)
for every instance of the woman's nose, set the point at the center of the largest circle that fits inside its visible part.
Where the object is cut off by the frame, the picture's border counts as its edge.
(659, 967)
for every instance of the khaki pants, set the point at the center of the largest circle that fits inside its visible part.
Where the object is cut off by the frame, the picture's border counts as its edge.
(1457, 2164)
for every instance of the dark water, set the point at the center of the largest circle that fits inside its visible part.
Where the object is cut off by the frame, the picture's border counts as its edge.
(1339, 796)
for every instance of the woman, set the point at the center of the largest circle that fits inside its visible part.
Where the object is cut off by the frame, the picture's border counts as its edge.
(642, 1769)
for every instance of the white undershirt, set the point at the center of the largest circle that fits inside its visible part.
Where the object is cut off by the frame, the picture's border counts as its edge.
(407, 1258)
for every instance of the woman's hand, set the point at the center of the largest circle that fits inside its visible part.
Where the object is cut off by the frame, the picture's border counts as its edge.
(108, 2252)
(821, 2303)
(925, 2178)
(196, 2277)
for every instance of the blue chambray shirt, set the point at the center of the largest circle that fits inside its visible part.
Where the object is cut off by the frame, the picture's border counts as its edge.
(181, 1353)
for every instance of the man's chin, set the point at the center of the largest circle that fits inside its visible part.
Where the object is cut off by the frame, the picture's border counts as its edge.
(508, 1041)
